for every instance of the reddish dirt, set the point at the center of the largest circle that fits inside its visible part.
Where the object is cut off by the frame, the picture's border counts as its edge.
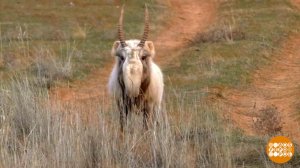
(297, 3)
(275, 84)
(187, 19)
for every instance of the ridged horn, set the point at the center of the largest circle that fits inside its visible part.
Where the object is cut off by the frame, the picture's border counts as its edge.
(120, 29)
(146, 28)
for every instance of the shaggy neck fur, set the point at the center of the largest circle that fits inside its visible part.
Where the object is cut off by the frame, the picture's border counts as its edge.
(136, 82)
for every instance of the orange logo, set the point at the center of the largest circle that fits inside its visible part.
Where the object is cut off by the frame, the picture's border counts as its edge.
(280, 149)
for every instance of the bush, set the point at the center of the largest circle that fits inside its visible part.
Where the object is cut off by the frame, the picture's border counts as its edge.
(49, 69)
(268, 121)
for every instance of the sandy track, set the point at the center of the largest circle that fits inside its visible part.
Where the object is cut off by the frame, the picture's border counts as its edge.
(297, 3)
(188, 18)
(276, 84)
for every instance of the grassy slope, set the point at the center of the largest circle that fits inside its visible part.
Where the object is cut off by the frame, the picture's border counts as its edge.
(265, 25)
(193, 135)
(215, 60)
(88, 28)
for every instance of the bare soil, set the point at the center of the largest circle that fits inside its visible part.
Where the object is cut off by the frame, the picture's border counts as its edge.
(276, 84)
(297, 3)
(187, 18)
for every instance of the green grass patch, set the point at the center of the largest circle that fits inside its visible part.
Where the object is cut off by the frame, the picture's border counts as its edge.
(89, 25)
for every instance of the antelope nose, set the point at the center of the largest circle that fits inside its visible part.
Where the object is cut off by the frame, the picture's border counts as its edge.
(132, 71)
(132, 61)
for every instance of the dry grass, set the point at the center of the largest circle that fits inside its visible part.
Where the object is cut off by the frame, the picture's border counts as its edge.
(49, 68)
(36, 133)
(40, 135)
(220, 33)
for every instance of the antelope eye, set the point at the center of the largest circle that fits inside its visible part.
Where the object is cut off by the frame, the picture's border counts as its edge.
(121, 58)
(120, 55)
(145, 55)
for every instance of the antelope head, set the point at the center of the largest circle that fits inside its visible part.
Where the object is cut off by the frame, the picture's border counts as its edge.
(133, 59)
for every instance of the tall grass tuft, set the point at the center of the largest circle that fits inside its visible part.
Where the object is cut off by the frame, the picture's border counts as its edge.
(49, 68)
(38, 133)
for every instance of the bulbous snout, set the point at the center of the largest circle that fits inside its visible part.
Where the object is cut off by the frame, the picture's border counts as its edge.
(132, 74)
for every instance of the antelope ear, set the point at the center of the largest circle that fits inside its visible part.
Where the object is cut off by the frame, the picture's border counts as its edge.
(150, 46)
(115, 47)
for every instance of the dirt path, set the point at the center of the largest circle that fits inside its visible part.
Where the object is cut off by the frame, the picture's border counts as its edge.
(276, 84)
(188, 18)
(297, 3)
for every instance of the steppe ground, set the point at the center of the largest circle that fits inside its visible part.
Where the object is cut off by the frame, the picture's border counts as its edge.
(231, 71)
